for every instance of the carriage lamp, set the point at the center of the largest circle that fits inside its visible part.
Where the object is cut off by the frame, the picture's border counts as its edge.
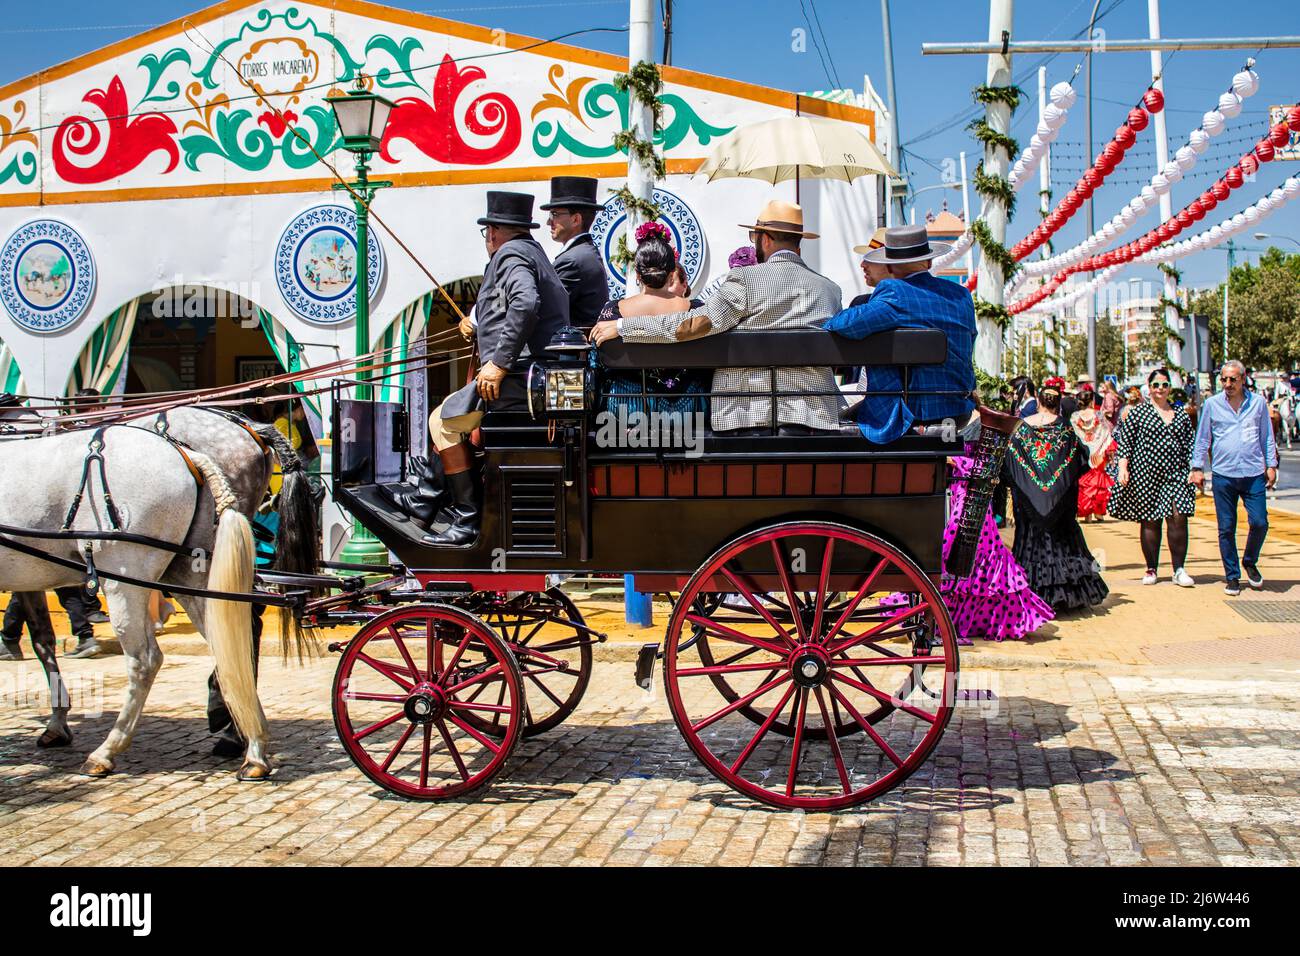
(362, 117)
(561, 385)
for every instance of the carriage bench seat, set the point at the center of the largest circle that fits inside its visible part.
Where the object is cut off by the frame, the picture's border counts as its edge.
(781, 348)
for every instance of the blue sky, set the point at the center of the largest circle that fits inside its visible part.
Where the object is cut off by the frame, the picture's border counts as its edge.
(753, 41)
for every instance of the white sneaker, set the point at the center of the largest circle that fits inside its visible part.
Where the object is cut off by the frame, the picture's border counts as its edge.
(1149, 578)
(1183, 579)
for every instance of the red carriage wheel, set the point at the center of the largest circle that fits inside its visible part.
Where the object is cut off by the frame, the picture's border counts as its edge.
(407, 701)
(552, 646)
(811, 663)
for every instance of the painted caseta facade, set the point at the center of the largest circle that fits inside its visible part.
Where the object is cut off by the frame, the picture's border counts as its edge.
(148, 164)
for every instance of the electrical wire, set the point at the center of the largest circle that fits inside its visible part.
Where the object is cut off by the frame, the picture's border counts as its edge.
(817, 46)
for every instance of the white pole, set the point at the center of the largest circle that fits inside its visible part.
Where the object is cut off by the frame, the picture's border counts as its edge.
(988, 344)
(1050, 361)
(1166, 200)
(965, 212)
(640, 179)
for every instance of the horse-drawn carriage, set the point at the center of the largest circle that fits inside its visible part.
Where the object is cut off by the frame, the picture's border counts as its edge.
(808, 660)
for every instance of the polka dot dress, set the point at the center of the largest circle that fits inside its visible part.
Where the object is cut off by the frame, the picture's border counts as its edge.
(1159, 458)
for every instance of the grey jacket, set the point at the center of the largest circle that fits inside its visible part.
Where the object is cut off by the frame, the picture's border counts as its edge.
(520, 306)
(782, 293)
(583, 275)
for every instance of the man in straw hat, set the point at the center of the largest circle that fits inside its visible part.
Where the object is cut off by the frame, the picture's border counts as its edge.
(572, 209)
(874, 272)
(913, 298)
(779, 292)
(520, 306)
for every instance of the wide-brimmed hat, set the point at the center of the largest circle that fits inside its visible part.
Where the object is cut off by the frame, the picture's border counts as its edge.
(877, 240)
(573, 192)
(1084, 379)
(781, 216)
(509, 209)
(907, 244)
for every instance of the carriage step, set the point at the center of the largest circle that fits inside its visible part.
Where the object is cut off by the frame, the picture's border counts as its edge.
(645, 665)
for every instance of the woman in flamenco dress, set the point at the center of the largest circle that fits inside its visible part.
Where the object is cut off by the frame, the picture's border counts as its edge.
(1094, 432)
(1045, 460)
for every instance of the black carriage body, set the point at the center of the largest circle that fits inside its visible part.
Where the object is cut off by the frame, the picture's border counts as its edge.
(556, 501)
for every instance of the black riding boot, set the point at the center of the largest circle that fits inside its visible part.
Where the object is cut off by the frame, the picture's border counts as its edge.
(421, 502)
(462, 516)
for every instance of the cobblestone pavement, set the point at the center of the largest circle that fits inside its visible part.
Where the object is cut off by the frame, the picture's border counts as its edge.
(1069, 766)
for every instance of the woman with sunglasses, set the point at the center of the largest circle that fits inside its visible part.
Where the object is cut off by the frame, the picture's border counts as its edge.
(1044, 462)
(1155, 454)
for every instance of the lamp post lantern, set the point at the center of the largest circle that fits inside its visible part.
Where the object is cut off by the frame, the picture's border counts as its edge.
(362, 117)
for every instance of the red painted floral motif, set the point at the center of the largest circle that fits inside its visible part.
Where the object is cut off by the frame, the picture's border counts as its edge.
(129, 141)
(276, 124)
(433, 128)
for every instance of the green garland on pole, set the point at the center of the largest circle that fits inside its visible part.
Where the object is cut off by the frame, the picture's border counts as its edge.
(995, 188)
(1010, 95)
(646, 84)
(993, 250)
(997, 314)
(988, 136)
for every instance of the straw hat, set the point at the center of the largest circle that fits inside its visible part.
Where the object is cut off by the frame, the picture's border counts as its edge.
(877, 241)
(781, 216)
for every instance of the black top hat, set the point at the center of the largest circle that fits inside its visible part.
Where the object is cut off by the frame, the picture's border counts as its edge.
(509, 209)
(573, 192)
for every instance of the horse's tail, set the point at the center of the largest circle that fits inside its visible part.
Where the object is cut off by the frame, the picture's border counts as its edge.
(230, 625)
(297, 542)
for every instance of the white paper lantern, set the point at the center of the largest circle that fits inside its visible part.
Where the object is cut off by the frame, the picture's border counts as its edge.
(1216, 233)
(1063, 95)
(1278, 196)
(1149, 196)
(1245, 83)
(1136, 207)
(1230, 105)
(1251, 214)
(1199, 141)
(1185, 157)
(1264, 206)
(1172, 171)
(1292, 187)
(1160, 184)
(1054, 116)
(1239, 221)
(1043, 131)
(1213, 122)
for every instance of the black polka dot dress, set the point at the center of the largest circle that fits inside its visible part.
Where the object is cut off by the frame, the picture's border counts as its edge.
(1159, 457)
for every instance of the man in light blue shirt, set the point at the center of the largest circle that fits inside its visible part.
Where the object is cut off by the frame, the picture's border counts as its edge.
(1235, 434)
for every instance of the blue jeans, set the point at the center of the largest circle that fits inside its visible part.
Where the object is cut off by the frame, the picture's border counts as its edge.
(1250, 491)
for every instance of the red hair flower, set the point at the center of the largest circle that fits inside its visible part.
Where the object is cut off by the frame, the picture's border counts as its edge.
(653, 229)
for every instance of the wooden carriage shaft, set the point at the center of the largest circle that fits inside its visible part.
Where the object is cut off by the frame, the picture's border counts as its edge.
(1113, 46)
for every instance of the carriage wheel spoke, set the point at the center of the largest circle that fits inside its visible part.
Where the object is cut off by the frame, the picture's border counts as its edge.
(884, 625)
(380, 725)
(388, 670)
(822, 594)
(724, 669)
(754, 603)
(476, 679)
(489, 708)
(424, 756)
(790, 596)
(486, 742)
(834, 739)
(445, 672)
(855, 601)
(800, 705)
(451, 746)
(762, 731)
(382, 698)
(880, 741)
(406, 655)
(397, 747)
(738, 703)
(856, 662)
(868, 689)
(432, 652)
(728, 634)
(545, 690)
(739, 655)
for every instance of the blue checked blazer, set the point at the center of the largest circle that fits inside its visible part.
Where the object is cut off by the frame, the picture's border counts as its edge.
(920, 301)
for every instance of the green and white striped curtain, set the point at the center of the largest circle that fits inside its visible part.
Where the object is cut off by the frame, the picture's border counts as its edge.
(289, 352)
(11, 376)
(103, 359)
(408, 327)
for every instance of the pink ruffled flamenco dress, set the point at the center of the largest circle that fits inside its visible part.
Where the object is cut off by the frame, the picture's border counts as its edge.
(995, 602)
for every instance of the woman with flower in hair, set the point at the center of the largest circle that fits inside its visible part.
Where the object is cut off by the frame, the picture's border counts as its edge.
(672, 390)
(1045, 460)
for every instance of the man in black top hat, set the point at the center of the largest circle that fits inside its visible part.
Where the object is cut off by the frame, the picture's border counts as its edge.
(520, 306)
(572, 209)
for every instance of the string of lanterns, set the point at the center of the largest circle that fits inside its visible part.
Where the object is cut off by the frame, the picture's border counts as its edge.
(1061, 98)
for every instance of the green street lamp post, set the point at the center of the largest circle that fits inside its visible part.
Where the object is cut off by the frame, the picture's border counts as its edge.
(362, 117)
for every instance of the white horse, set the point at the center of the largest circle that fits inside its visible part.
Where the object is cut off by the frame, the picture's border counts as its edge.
(155, 494)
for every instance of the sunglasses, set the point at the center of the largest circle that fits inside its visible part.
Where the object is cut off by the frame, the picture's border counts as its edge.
(1229, 379)
(483, 232)
(1159, 384)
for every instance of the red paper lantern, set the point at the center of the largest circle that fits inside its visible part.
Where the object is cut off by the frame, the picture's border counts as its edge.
(1154, 100)
(1293, 119)
(1279, 135)
(1220, 190)
(1104, 165)
(1264, 151)
(1184, 219)
(1114, 152)
(1125, 137)
(1248, 163)
(1208, 200)
(1234, 177)
(1138, 119)
(1197, 211)
(1092, 179)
